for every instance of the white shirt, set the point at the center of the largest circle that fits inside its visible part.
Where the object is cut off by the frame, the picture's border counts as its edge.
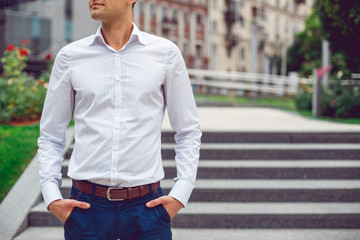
(118, 100)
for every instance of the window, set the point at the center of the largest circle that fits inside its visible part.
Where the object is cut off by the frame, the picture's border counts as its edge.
(68, 21)
(198, 51)
(242, 54)
(287, 26)
(265, 16)
(296, 27)
(152, 10)
(186, 17)
(163, 12)
(198, 19)
(139, 7)
(287, 5)
(214, 26)
(214, 56)
(214, 4)
(277, 23)
(185, 49)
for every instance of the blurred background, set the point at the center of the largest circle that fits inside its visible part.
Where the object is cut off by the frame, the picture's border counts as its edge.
(231, 35)
(236, 50)
(261, 167)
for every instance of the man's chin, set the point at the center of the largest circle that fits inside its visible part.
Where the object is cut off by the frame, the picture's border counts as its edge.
(95, 15)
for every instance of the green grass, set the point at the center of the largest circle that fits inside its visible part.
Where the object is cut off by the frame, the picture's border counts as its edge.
(269, 102)
(18, 145)
(308, 113)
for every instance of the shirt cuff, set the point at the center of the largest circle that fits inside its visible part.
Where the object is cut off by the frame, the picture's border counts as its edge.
(181, 191)
(51, 192)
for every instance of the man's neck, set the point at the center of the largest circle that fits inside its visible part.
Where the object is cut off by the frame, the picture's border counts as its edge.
(116, 34)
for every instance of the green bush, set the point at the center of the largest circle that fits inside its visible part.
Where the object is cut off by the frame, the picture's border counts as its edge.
(303, 99)
(338, 101)
(343, 101)
(22, 96)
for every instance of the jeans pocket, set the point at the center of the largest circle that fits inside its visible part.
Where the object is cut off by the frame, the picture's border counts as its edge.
(164, 214)
(69, 221)
(78, 217)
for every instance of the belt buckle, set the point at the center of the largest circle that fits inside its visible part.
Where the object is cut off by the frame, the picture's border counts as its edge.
(109, 196)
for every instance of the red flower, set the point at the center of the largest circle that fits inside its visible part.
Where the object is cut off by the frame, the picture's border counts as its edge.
(326, 69)
(48, 57)
(25, 42)
(319, 73)
(24, 52)
(333, 101)
(10, 47)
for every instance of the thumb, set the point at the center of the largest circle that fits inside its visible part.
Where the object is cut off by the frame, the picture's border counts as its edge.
(155, 202)
(79, 204)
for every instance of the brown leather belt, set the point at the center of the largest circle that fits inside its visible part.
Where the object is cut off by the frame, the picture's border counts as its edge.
(115, 193)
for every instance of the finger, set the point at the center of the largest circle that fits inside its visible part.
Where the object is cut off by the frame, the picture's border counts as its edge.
(155, 202)
(79, 204)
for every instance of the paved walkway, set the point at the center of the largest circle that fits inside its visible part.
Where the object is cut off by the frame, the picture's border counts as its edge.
(262, 119)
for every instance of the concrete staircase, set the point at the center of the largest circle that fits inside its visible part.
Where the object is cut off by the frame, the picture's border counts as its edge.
(257, 185)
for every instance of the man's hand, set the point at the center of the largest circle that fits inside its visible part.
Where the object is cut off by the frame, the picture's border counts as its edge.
(63, 207)
(171, 205)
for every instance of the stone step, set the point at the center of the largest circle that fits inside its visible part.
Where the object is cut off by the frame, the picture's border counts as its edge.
(56, 233)
(265, 163)
(272, 151)
(247, 215)
(223, 169)
(224, 190)
(271, 137)
(268, 151)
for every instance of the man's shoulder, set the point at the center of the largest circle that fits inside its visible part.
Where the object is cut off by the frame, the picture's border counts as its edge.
(79, 43)
(152, 39)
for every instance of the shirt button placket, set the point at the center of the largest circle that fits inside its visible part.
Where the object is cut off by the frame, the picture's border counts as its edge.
(116, 134)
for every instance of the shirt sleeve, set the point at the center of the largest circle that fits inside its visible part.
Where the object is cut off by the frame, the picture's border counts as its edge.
(184, 120)
(56, 115)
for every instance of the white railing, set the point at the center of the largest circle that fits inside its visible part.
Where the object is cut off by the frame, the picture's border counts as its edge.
(256, 83)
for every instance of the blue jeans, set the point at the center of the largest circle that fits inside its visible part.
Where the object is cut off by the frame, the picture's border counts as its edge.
(125, 220)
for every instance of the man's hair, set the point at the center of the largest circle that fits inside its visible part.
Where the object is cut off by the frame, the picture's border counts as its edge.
(133, 5)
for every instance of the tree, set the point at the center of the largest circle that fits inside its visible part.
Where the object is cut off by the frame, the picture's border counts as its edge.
(340, 22)
(305, 53)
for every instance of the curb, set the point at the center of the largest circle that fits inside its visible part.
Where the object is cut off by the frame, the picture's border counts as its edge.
(23, 196)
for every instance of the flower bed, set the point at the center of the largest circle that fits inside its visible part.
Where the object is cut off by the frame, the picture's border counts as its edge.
(338, 100)
(22, 95)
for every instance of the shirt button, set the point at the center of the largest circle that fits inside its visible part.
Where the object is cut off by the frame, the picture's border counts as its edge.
(114, 170)
(118, 104)
(118, 79)
(117, 126)
(115, 148)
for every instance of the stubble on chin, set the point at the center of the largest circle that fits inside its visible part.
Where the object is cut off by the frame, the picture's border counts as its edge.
(94, 15)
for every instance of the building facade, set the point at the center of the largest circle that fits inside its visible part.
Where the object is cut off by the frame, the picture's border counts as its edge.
(67, 21)
(233, 35)
(185, 22)
(254, 35)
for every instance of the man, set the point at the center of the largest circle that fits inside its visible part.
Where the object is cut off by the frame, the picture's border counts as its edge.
(117, 84)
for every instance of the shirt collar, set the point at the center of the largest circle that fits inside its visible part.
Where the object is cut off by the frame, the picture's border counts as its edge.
(135, 34)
